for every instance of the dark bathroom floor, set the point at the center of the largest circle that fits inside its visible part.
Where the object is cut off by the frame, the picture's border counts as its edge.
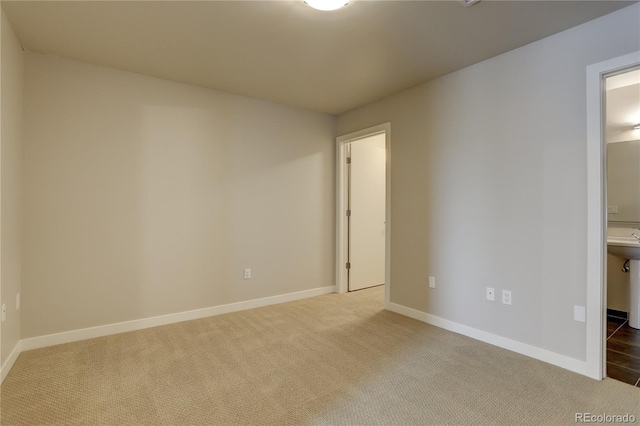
(623, 351)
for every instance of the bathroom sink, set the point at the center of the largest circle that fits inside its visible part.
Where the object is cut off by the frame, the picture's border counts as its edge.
(626, 247)
(621, 243)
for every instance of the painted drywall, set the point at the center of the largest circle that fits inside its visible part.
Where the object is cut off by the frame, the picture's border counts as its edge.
(145, 197)
(11, 76)
(617, 284)
(623, 181)
(623, 192)
(488, 186)
(622, 110)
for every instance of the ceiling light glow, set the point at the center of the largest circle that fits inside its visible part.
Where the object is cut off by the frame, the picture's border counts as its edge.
(327, 4)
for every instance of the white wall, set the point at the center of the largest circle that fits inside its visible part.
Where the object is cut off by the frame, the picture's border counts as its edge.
(488, 184)
(145, 197)
(11, 178)
(623, 180)
(618, 284)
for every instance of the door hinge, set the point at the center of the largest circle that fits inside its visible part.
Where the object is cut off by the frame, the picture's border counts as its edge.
(348, 160)
(348, 265)
(348, 213)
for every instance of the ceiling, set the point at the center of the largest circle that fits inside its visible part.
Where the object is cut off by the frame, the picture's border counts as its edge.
(284, 51)
(623, 107)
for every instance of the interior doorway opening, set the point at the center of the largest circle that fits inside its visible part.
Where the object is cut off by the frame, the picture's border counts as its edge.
(622, 280)
(363, 210)
(597, 215)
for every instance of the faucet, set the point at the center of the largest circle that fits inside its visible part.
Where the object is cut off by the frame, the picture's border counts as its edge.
(636, 235)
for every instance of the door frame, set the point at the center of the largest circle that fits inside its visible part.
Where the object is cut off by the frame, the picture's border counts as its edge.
(596, 211)
(341, 203)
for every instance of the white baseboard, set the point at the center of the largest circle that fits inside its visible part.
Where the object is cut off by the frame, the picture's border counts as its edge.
(13, 356)
(559, 360)
(123, 327)
(562, 361)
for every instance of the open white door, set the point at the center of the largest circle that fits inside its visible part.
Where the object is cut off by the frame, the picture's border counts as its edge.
(367, 207)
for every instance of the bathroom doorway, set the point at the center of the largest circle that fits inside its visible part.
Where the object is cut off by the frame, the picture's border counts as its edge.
(622, 146)
(596, 300)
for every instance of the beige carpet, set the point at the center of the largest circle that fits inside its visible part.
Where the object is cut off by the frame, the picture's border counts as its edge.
(334, 359)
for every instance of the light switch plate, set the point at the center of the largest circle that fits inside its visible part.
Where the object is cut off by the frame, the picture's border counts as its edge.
(580, 313)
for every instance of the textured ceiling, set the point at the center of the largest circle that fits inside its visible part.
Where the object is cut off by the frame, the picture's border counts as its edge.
(284, 51)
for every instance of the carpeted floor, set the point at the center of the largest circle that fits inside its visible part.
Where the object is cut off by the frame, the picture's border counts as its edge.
(334, 359)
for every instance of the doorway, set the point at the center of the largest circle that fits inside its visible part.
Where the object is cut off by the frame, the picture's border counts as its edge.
(363, 210)
(622, 142)
(597, 216)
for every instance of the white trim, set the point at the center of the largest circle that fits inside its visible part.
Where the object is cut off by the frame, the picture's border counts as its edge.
(559, 360)
(341, 246)
(596, 213)
(123, 327)
(13, 356)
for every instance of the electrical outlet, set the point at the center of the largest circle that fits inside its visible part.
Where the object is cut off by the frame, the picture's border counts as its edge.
(432, 282)
(18, 301)
(506, 297)
(491, 294)
(247, 273)
(4, 311)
